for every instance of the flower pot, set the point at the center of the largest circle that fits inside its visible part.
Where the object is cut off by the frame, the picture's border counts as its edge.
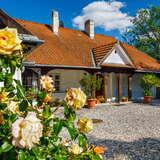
(91, 103)
(124, 99)
(147, 99)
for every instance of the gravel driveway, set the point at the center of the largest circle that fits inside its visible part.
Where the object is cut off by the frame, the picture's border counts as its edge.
(128, 132)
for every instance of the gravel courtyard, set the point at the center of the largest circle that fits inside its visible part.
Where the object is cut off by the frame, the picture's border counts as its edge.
(128, 132)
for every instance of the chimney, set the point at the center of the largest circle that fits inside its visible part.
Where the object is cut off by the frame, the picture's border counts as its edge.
(89, 28)
(55, 22)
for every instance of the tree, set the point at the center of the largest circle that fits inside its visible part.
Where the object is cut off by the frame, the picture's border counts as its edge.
(145, 32)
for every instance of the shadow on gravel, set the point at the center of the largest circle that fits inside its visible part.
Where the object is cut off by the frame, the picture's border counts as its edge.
(142, 149)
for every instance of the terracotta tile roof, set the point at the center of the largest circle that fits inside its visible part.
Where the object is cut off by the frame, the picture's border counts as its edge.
(70, 47)
(141, 61)
(101, 51)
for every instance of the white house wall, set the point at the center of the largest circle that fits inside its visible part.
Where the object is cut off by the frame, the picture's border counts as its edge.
(68, 79)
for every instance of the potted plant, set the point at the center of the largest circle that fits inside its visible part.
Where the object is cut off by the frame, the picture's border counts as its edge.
(124, 99)
(147, 82)
(90, 84)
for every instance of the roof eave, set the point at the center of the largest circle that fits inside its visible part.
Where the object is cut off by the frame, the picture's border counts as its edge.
(30, 38)
(33, 64)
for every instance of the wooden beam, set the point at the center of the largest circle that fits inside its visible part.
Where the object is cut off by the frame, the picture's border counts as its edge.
(130, 87)
(119, 86)
(105, 81)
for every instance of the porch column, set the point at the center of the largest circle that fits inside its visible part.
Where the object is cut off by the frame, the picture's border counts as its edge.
(119, 86)
(105, 80)
(129, 87)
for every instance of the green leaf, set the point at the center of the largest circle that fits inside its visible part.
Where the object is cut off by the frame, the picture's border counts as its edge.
(69, 113)
(47, 111)
(21, 91)
(3, 106)
(23, 105)
(5, 147)
(71, 129)
(41, 95)
(21, 155)
(38, 153)
(82, 140)
(57, 127)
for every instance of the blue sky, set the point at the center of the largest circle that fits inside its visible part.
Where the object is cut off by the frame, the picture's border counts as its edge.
(40, 11)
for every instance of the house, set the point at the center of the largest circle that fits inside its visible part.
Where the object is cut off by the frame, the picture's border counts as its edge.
(67, 54)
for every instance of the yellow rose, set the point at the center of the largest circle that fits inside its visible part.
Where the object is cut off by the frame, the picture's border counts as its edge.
(9, 41)
(47, 83)
(3, 97)
(75, 98)
(75, 149)
(85, 125)
(14, 107)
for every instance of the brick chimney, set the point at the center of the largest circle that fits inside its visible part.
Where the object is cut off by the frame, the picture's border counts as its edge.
(55, 22)
(89, 28)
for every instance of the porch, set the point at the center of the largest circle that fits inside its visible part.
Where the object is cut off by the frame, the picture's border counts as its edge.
(119, 83)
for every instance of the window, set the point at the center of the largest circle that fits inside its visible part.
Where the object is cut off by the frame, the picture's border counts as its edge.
(57, 82)
(30, 79)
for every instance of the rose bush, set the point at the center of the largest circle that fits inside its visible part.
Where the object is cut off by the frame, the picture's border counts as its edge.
(31, 131)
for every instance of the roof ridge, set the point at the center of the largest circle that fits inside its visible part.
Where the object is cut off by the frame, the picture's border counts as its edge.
(73, 29)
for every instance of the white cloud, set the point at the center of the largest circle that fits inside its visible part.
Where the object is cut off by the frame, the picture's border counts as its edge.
(106, 15)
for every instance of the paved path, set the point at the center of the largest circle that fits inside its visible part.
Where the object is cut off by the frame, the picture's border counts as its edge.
(129, 132)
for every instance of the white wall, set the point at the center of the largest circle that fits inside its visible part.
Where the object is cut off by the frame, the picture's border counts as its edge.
(116, 57)
(68, 78)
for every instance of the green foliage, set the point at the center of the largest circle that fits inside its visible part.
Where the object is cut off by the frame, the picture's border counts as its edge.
(147, 82)
(50, 145)
(90, 83)
(5, 147)
(145, 32)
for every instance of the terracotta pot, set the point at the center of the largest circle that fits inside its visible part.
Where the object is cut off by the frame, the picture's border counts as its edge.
(124, 99)
(91, 103)
(147, 99)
